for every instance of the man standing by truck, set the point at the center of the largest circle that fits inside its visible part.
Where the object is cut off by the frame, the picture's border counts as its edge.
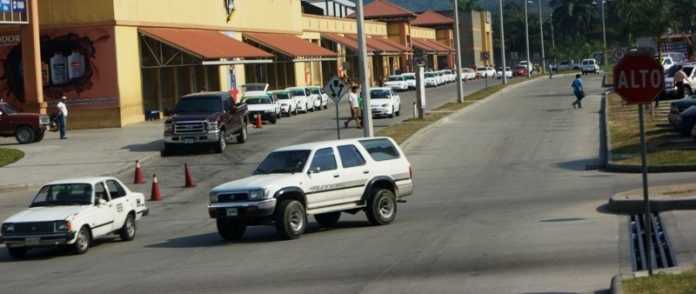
(62, 117)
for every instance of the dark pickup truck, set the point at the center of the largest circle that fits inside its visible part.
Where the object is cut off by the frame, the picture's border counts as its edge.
(206, 118)
(25, 127)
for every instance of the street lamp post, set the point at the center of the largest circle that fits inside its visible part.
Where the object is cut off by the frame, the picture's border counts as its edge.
(460, 97)
(604, 32)
(526, 36)
(502, 39)
(368, 130)
(541, 32)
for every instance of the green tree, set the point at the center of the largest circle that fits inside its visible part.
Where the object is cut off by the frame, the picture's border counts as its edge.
(469, 5)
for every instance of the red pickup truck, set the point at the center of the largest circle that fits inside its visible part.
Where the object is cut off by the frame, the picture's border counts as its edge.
(26, 127)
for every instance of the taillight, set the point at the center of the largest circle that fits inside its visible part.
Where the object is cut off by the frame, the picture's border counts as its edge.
(410, 172)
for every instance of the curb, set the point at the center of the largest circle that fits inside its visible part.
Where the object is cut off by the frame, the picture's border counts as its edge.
(662, 198)
(616, 284)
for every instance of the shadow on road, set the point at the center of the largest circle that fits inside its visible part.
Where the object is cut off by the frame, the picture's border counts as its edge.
(147, 147)
(580, 165)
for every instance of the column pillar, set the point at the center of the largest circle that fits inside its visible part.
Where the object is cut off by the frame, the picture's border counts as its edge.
(31, 60)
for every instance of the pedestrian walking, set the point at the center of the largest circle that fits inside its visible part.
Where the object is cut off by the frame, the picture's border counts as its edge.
(354, 107)
(578, 91)
(62, 117)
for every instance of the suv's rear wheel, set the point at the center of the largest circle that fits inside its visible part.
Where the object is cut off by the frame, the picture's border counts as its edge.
(243, 136)
(25, 135)
(328, 219)
(381, 207)
(230, 230)
(221, 143)
(290, 219)
(17, 252)
(274, 118)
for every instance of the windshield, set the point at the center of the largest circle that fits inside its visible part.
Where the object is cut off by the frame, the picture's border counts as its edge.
(295, 93)
(283, 162)
(395, 78)
(199, 104)
(379, 94)
(258, 100)
(6, 108)
(63, 194)
(429, 75)
(410, 77)
(315, 91)
(672, 71)
(481, 69)
(255, 87)
(282, 96)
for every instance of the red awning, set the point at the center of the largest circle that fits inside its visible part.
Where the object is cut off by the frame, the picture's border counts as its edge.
(345, 41)
(207, 45)
(289, 45)
(430, 46)
(382, 45)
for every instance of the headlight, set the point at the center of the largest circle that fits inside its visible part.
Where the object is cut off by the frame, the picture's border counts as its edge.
(257, 194)
(8, 228)
(212, 126)
(63, 226)
(213, 197)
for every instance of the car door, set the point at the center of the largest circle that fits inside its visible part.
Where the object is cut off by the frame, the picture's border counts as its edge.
(354, 173)
(101, 220)
(323, 178)
(120, 204)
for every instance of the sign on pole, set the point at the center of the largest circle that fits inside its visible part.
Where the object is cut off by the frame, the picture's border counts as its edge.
(336, 89)
(638, 79)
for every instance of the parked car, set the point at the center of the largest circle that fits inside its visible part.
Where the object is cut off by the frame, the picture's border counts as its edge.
(449, 75)
(565, 65)
(301, 97)
(410, 79)
(323, 179)
(25, 127)
(685, 122)
(670, 91)
(397, 83)
(677, 107)
(322, 99)
(431, 79)
(288, 106)
(468, 74)
(253, 89)
(206, 118)
(670, 59)
(384, 102)
(73, 213)
(485, 72)
(521, 71)
(266, 105)
(527, 64)
(499, 73)
(590, 65)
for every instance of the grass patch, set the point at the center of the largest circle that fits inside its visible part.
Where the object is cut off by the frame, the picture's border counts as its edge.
(662, 283)
(8, 156)
(402, 131)
(665, 146)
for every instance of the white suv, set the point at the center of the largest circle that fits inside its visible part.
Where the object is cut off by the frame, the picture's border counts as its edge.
(322, 179)
(266, 105)
(384, 102)
(589, 66)
(410, 79)
(322, 99)
(301, 97)
(73, 213)
(397, 82)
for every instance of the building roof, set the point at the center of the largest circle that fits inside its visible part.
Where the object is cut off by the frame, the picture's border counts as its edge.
(430, 46)
(384, 9)
(207, 45)
(345, 41)
(380, 44)
(432, 18)
(289, 45)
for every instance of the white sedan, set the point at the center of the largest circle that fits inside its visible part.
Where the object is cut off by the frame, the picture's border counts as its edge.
(499, 73)
(302, 99)
(485, 72)
(397, 83)
(384, 102)
(322, 99)
(73, 213)
(468, 74)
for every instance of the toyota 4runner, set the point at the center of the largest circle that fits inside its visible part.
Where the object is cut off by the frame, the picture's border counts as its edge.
(25, 127)
(322, 179)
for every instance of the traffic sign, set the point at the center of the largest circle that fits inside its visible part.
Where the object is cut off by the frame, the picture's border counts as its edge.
(638, 79)
(336, 89)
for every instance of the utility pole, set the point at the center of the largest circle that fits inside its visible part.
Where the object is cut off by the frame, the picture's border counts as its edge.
(604, 33)
(526, 36)
(368, 130)
(541, 32)
(502, 39)
(458, 46)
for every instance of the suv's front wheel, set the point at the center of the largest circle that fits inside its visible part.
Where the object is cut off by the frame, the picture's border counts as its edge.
(381, 207)
(242, 137)
(25, 135)
(290, 219)
(222, 142)
(230, 230)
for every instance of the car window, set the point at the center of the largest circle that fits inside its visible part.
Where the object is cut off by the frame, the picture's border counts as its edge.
(100, 192)
(63, 194)
(324, 160)
(688, 70)
(115, 189)
(350, 156)
(380, 149)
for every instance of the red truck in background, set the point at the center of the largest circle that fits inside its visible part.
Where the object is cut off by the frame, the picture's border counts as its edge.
(25, 127)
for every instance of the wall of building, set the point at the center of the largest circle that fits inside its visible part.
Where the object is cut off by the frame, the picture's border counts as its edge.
(423, 33)
(129, 75)
(63, 12)
(325, 24)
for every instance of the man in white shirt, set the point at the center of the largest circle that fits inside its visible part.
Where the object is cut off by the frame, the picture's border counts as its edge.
(354, 107)
(62, 117)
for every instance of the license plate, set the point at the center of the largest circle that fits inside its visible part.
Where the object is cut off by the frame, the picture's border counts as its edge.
(231, 212)
(32, 241)
(188, 140)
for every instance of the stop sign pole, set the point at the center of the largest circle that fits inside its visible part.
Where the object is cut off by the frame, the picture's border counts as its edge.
(638, 79)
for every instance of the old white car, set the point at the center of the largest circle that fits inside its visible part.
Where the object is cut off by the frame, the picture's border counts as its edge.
(384, 102)
(397, 83)
(73, 213)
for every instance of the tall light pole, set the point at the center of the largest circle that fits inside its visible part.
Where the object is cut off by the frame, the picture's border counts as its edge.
(526, 36)
(541, 32)
(502, 39)
(368, 130)
(604, 32)
(460, 97)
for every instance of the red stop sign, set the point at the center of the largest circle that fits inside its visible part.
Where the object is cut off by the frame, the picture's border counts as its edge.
(638, 79)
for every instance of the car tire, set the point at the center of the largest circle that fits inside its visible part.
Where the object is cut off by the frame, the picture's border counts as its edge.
(230, 230)
(17, 252)
(290, 219)
(83, 241)
(166, 150)
(381, 207)
(328, 219)
(25, 135)
(273, 119)
(243, 133)
(391, 115)
(127, 232)
(39, 135)
(326, 106)
(221, 143)
(398, 111)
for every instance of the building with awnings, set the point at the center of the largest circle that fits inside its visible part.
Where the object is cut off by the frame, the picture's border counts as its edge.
(118, 60)
(444, 35)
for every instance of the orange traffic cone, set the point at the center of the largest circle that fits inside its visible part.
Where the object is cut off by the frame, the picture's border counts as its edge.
(139, 178)
(155, 195)
(258, 121)
(189, 178)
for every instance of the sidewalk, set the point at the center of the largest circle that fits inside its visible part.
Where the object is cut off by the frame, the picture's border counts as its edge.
(84, 153)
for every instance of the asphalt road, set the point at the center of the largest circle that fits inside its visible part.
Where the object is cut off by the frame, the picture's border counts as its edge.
(504, 203)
